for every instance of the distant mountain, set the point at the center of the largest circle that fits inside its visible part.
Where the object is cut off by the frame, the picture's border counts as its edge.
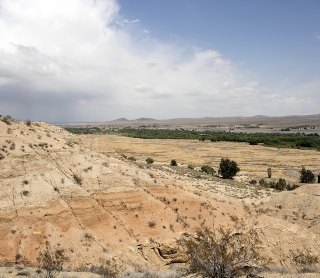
(145, 119)
(121, 120)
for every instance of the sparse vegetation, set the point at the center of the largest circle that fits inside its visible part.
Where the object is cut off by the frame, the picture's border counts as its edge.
(173, 162)
(77, 179)
(152, 224)
(149, 160)
(306, 176)
(228, 168)
(51, 260)
(191, 166)
(304, 260)
(269, 170)
(224, 252)
(280, 185)
(7, 119)
(208, 170)
(28, 122)
(132, 158)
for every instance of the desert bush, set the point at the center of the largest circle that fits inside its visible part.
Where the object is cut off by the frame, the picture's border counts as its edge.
(224, 252)
(173, 162)
(281, 184)
(149, 160)
(253, 182)
(207, 169)
(269, 170)
(28, 123)
(152, 224)
(306, 176)
(107, 270)
(51, 260)
(228, 168)
(7, 119)
(191, 166)
(12, 146)
(304, 260)
(77, 179)
(1, 156)
(132, 158)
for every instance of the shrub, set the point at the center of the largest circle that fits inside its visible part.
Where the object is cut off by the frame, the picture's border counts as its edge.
(228, 168)
(281, 184)
(191, 166)
(207, 169)
(225, 252)
(269, 170)
(152, 224)
(304, 261)
(173, 162)
(131, 158)
(7, 119)
(28, 123)
(51, 260)
(149, 160)
(306, 176)
(77, 179)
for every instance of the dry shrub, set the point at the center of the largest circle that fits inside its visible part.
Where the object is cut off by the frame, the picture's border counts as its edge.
(51, 260)
(77, 179)
(304, 260)
(224, 252)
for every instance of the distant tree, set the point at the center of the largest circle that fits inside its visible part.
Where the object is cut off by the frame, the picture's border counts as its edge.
(173, 162)
(149, 160)
(306, 176)
(228, 168)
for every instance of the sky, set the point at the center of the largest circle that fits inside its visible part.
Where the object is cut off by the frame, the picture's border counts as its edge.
(99, 60)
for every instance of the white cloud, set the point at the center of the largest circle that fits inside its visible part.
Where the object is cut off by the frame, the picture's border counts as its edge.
(68, 60)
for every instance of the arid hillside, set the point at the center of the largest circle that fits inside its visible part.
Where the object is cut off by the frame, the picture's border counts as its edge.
(83, 196)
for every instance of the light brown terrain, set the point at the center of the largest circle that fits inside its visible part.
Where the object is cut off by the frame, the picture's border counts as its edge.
(80, 194)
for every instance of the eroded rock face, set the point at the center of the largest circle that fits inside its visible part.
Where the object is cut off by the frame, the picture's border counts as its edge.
(100, 207)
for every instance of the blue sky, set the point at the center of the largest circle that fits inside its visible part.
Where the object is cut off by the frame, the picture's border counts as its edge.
(276, 39)
(97, 60)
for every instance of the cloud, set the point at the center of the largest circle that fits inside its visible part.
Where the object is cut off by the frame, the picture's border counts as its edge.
(73, 61)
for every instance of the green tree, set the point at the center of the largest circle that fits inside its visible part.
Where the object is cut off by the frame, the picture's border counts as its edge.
(228, 168)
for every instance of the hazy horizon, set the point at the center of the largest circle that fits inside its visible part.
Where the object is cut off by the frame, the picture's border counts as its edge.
(100, 60)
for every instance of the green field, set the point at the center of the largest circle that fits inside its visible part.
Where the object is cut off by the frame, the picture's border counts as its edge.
(292, 140)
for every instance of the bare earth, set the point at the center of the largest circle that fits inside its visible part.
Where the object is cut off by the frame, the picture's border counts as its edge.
(81, 195)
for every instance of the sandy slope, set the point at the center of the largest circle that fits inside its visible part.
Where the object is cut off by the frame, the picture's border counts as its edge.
(99, 207)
